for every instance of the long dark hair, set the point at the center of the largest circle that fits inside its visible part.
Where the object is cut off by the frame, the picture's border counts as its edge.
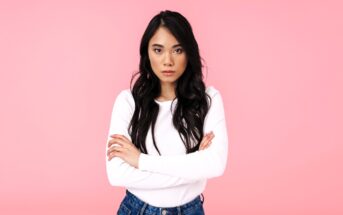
(192, 103)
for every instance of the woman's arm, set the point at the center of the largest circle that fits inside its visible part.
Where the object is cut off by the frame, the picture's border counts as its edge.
(120, 173)
(207, 163)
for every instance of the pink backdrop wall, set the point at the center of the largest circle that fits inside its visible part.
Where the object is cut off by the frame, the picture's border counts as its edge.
(278, 65)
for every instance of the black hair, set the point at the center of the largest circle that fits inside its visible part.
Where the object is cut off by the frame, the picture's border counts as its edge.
(192, 100)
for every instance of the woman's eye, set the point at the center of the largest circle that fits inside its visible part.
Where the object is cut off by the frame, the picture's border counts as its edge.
(179, 50)
(157, 50)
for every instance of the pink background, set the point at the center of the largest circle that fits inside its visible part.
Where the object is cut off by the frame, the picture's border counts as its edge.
(278, 65)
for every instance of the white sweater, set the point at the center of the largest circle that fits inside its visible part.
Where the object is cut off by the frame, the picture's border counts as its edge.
(174, 178)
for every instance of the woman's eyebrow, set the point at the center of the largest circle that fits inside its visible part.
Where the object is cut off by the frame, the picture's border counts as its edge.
(159, 45)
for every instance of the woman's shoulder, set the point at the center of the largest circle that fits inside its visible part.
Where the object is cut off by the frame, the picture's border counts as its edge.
(212, 91)
(125, 95)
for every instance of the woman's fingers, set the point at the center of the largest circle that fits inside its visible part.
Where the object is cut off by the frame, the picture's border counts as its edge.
(115, 154)
(207, 145)
(203, 141)
(123, 137)
(117, 146)
(111, 142)
(206, 141)
(116, 151)
(120, 139)
(117, 140)
(120, 146)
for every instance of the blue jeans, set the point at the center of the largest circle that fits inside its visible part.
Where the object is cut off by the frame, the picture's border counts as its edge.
(132, 205)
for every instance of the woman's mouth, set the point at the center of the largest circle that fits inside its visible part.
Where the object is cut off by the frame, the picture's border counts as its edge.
(168, 72)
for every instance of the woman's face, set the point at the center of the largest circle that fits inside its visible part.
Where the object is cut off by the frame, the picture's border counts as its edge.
(166, 54)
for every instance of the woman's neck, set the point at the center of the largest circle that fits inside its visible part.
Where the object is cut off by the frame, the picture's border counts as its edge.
(167, 92)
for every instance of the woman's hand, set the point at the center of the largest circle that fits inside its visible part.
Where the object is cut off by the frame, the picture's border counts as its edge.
(120, 146)
(206, 141)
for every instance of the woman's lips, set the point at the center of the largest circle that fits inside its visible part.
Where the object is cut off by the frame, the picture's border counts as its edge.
(168, 72)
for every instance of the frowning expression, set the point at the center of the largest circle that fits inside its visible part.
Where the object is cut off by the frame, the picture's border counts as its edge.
(167, 57)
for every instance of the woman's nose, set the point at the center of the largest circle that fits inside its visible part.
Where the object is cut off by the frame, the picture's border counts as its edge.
(168, 59)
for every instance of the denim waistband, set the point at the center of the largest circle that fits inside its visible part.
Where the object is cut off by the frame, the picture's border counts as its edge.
(136, 203)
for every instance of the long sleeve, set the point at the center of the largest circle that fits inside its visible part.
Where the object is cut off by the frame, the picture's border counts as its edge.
(207, 163)
(120, 173)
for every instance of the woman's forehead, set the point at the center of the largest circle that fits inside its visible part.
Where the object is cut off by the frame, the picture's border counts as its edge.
(163, 38)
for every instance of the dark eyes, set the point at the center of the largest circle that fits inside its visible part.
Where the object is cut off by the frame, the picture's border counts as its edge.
(178, 50)
(157, 50)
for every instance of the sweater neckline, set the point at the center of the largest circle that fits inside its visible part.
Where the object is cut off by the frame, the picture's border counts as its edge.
(164, 102)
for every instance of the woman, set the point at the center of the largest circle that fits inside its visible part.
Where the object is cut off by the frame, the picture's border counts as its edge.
(160, 145)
